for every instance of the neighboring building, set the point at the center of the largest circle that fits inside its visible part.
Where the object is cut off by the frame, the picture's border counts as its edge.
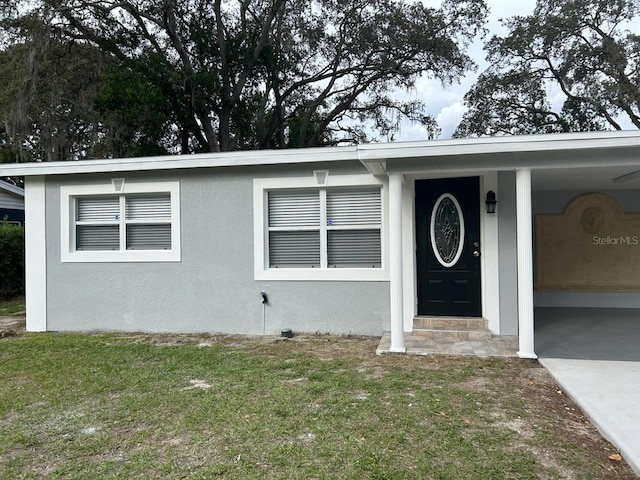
(343, 239)
(11, 203)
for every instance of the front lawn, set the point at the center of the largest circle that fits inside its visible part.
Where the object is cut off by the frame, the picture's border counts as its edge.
(179, 406)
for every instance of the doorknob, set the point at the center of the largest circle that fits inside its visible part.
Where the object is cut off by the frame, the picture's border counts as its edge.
(476, 253)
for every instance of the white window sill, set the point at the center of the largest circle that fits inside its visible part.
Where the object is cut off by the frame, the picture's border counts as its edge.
(121, 256)
(324, 274)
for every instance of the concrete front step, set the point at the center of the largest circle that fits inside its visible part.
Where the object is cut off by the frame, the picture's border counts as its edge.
(451, 323)
(452, 329)
(498, 346)
(453, 335)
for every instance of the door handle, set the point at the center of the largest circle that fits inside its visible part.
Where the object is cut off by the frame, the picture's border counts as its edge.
(476, 253)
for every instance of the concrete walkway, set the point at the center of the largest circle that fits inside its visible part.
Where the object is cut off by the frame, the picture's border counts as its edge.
(594, 355)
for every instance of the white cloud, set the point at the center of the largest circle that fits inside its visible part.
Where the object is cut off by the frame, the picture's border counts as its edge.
(412, 131)
(449, 118)
(446, 103)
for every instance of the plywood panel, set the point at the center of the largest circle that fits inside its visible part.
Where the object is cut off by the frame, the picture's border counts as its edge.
(592, 246)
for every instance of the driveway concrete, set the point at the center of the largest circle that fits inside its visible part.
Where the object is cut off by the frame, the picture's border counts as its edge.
(594, 355)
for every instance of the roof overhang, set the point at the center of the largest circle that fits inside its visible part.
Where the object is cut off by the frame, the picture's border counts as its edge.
(554, 151)
(11, 188)
(551, 151)
(172, 162)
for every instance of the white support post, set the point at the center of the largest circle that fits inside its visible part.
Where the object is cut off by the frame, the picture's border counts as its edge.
(395, 262)
(35, 254)
(525, 264)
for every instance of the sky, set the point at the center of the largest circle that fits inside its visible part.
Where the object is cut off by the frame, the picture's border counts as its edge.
(446, 104)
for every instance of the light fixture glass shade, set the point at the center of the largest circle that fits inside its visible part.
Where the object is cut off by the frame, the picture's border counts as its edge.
(491, 201)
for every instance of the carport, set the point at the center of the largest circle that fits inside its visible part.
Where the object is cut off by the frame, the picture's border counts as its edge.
(595, 316)
(589, 338)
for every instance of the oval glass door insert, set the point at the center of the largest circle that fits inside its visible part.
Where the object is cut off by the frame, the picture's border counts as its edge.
(447, 230)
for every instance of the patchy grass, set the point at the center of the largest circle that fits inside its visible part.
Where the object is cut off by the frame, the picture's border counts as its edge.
(11, 306)
(162, 406)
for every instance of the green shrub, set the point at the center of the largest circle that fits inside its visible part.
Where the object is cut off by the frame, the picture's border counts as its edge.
(11, 260)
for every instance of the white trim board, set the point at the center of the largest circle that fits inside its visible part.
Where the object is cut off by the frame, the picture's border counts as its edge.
(490, 271)
(35, 254)
(490, 258)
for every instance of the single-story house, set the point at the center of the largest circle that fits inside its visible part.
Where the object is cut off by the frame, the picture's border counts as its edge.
(356, 239)
(11, 203)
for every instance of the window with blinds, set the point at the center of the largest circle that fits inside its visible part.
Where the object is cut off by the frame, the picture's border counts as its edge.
(353, 228)
(123, 222)
(325, 228)
(98, 223)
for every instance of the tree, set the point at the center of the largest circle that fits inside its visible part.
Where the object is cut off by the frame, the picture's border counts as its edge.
(8, 155)
(55, 100)
(581, 48)
(253, 74)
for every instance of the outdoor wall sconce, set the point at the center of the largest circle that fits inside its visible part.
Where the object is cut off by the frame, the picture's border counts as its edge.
(491, 201)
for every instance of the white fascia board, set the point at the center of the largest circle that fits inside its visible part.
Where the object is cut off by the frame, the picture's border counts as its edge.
(168, 162)
(374, 152)
(507, 153)
(378, 158)
(11, 188)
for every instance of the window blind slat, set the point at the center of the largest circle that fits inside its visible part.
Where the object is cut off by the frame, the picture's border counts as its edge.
(294, 249)
(354, 207)
(149, 237)
(294, 208)
(97, 209)
(148, 206)
(97, 237)
(353, 248)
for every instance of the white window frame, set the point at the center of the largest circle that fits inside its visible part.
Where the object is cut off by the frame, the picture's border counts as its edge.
(69, 193)
(261, 188)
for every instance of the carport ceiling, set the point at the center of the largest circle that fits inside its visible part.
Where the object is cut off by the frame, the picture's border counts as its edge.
(584, 178)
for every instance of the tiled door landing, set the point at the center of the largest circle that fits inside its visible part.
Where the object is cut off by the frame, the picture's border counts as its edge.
(453, 336)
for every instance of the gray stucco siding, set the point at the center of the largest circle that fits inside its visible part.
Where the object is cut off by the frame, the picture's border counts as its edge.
(212, 288)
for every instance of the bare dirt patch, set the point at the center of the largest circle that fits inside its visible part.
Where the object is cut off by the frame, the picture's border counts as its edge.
(545, 408)
(12, 325)
(199, 384)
